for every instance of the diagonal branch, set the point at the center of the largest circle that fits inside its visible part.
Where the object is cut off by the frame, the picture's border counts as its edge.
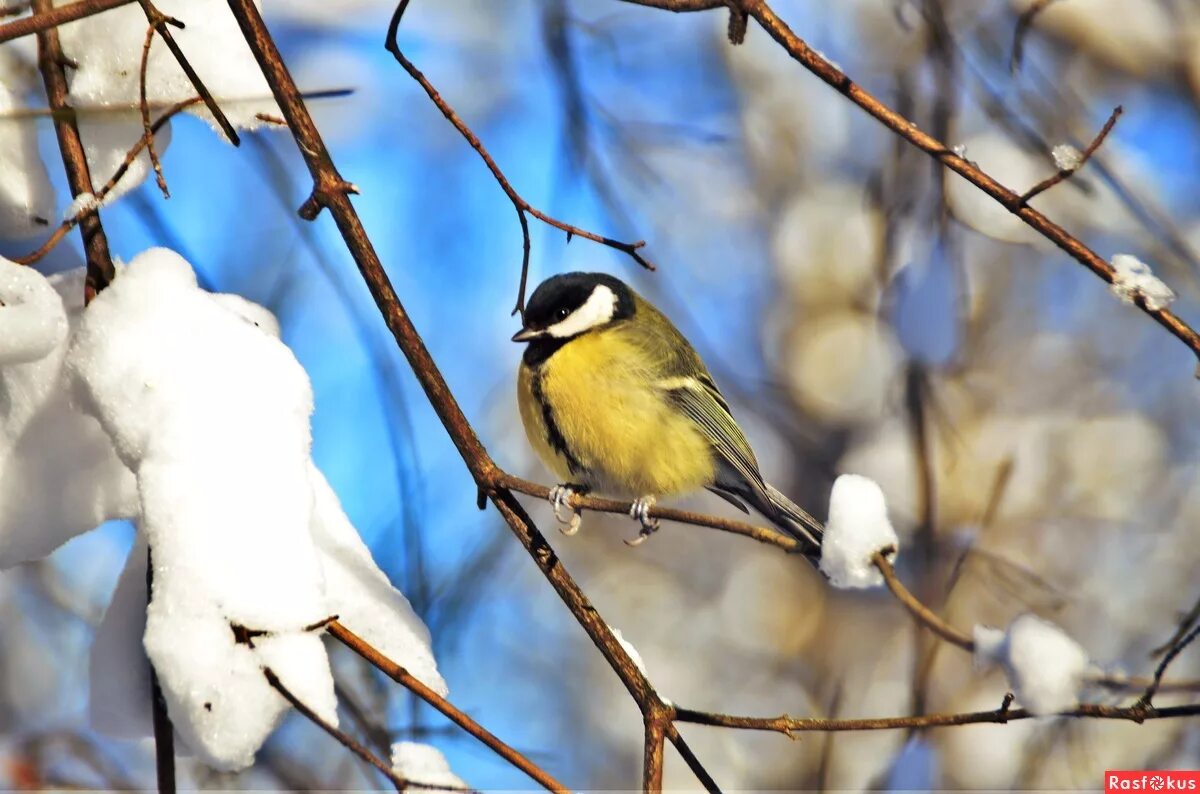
(95, 244)
(46, 18)
(522, 206)
(348, 741)
(160, 21)
(330, 192)
(407, 680)
(814, 62)
(1064, 174)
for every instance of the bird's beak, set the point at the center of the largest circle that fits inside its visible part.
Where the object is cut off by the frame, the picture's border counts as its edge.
(526, 334)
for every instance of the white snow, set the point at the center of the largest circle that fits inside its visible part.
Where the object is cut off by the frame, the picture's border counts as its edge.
(1133, 277)
(32, 319)
(59, 475)
(424, 764)
(201, 399)
(629, 649)
(1044, 666)
(858, 527)
(26, 195)
(108, 49)
(361, 595)
(81, 204)
(212, 415)
(1066, 157)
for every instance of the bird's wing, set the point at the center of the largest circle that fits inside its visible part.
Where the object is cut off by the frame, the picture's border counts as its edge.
(699, 398)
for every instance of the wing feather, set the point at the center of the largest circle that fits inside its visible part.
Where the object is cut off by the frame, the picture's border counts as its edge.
(699, 399)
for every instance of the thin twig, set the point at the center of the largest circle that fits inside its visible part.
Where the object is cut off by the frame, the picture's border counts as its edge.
(693, 763)
(922, 613)
(347, 741)
(144, 108)
(1189, 620)
(1148, 696)
(160, 22)
(1064, 174)
(48, 18)
(1024, 23)
(520, 204)
(70, 222)
(907, 129)
(789, 725)
(95, 244)
(406, 679)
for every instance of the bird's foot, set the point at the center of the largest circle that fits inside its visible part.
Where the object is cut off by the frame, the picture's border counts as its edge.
(560, 497)
(640, 511)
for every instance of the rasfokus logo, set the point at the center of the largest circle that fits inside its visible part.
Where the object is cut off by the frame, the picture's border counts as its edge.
(1151, 780)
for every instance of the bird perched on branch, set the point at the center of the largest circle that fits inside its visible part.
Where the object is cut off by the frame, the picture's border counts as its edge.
(615, 400)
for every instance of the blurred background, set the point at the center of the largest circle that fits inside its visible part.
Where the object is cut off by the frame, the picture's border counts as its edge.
(864, 311)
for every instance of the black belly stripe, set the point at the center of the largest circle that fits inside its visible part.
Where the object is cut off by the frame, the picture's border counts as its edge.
(553, 435)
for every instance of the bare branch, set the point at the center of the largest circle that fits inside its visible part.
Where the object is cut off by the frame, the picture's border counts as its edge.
(406, 679)
(1064, 174)
(1024, 24)
(907, 129)
(70, 222)
(160, 22)
(95, 244)
(46, 18)
(521, 205)
(789, 725)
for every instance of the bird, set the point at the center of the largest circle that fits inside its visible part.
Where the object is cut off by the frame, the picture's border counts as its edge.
(616, 401)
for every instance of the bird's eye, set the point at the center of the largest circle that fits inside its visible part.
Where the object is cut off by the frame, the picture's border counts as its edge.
(562, 313)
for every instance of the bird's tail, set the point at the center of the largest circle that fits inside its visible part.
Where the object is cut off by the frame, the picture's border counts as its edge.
(794, 520)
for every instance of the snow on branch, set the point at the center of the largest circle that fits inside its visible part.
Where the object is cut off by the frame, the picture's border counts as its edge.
(857, 530)
(194, 395)
(1045, 667)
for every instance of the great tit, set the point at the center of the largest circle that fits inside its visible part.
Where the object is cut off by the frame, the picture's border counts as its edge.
(615, 400)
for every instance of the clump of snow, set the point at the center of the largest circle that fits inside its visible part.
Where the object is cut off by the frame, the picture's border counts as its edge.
(26, 195)
(1133, 277)
(59, 476)
(424, 764)
(212, 415)
(249, 545)
(361, 595)
(1044, 666)
(84, 202)
(108, 49)
(634, 656)
(858, 527)
(32, 319)
(1066, 157)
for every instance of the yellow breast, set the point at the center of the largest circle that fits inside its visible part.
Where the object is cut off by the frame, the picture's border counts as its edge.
(596, 420)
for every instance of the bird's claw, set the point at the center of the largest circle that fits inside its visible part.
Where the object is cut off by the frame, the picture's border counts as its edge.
(640, 512)
(560, 497)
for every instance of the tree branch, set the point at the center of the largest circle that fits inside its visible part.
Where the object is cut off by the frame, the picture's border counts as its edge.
(789, 725)
(1064, 174)
(408, 681)
(159, 21)
(522, 206)
(95, 244)
(46, 18)
(814, 62)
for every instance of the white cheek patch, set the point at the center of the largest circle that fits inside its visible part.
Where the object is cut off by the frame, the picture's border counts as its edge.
(598, 309)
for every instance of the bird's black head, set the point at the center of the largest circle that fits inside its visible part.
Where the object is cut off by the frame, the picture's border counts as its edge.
(566, 306)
